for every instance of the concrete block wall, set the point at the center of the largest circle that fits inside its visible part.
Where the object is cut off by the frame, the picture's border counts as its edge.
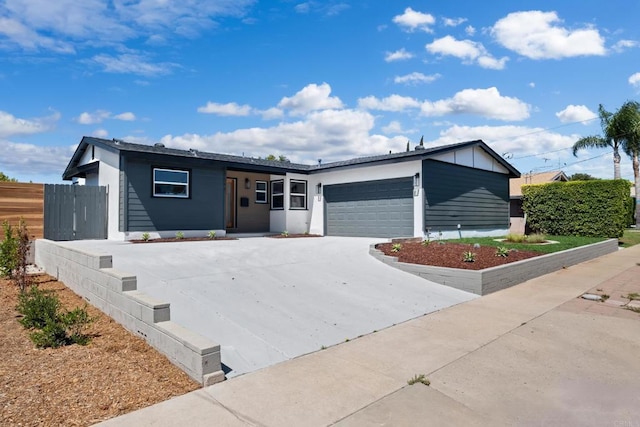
(483, 282)
(115, 293)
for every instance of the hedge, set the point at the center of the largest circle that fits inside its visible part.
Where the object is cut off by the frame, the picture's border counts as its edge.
(578, 208)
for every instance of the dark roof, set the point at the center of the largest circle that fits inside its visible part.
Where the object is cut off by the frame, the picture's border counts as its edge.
(273, 166)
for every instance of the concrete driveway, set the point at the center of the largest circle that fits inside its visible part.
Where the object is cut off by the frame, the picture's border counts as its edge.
(267, 300)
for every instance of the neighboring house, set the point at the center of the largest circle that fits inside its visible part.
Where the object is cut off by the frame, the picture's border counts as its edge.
(515, 194)
(162, 190)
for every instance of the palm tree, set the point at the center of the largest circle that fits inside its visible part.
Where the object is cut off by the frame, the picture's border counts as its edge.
(626, 123)
(609, 139)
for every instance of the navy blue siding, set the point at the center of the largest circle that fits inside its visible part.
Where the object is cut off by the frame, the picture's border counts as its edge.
(203, 210)
(476, 199)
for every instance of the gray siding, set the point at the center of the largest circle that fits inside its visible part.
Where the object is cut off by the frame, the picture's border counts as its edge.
(382, 208)
(203, 210)
(476, 199)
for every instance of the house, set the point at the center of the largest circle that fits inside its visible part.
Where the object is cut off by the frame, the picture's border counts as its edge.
(515, 195)
(455, 188)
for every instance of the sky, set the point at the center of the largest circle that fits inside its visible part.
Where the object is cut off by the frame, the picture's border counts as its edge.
(310, 80)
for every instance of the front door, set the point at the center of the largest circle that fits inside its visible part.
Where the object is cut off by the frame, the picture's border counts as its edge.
(230, 203)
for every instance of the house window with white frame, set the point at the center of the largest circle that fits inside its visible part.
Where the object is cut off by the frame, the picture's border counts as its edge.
(170, 183)
(261, 192)
(277, 194)
(297, 194)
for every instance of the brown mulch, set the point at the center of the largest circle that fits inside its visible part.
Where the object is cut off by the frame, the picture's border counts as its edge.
(184, 239)
(115, 373)
(450, 255)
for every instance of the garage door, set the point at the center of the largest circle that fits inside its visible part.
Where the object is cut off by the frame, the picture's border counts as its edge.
(381, 208)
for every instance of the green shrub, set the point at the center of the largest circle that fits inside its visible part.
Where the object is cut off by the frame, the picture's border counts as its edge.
(179, 235)
(396, 247)
(577, 208)
(38, 308)
(468, 256)
(8, 251)
(212, 234)
(501, 251)
(515, 238)
(54, 328)
(631, 210)
(535, 238)
(145, 237)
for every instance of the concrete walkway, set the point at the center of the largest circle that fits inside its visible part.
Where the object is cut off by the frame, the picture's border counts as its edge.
(533, 354)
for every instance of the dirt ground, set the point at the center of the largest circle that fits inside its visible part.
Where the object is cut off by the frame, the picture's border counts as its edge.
(78, 385)
(450, 255)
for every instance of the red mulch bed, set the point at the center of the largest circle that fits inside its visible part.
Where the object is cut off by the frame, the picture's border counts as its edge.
(184, 239)
(450, 255)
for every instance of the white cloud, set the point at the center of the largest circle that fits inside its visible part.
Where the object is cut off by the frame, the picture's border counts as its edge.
(412, 20)
(11, 125)
(330, 9)
(272, 113)
(129, 63)
(27, 39)
(20, 159)
(395, 127)
(453, 22)
(532, 84)
(330, 135)
(398, 55)
(126, 116)
(537, 35)
(470, 30)
(416, 78)
(230, 109)
(634, 79)
(100, 133)
(576, 113)
(622, 45)
(482, 102)
(466, 50)
(390, 103)
(518, 140)
(98, 116)
(310, 98)
(302, 7)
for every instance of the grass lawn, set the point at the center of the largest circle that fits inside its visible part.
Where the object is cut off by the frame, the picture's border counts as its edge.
(565, 242)
(630, 238)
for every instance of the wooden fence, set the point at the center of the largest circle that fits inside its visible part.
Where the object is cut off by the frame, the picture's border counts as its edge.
(26, 201)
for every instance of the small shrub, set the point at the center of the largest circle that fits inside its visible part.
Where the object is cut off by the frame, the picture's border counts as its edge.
(422, 379)
(179, 235)
(53, 334)
(396, 247)
(8, 251)
(41, 311)
(468, 256)
(21, 277)
(633, 296)
(501, 251)
(536, 238)
(212, 234)
(426, 242)
(38, 308)
(285, 233)
(515, 238)
(146, 237)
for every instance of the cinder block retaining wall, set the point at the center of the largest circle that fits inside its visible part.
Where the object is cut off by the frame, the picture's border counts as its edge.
(493, 279)
(113, 292)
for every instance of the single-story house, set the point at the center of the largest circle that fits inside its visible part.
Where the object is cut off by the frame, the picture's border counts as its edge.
(457, 188)
(518, 225)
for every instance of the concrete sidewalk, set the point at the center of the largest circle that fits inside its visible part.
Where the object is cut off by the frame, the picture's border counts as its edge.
(533, 354)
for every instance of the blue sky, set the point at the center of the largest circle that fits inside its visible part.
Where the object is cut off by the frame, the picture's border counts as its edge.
(312, 80)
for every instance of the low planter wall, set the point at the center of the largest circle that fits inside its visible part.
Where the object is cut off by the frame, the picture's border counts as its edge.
(115, 293)
(493, 279)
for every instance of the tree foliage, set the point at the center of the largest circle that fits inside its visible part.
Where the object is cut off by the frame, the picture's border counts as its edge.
(582, 177)
(5, 178)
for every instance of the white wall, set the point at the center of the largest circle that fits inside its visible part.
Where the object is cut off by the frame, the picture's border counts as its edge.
(474, 157)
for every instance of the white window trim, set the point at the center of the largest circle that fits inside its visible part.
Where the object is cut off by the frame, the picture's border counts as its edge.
(292, 194)
(265, 192)
(173, 196)
(274, 194)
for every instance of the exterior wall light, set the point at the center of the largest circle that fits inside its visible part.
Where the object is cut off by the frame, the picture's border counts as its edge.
(247, 183)
(416, 179)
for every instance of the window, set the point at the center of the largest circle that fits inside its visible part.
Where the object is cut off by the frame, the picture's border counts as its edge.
(170, 183)
(297, 194)
(277, 194)
(261, 192)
